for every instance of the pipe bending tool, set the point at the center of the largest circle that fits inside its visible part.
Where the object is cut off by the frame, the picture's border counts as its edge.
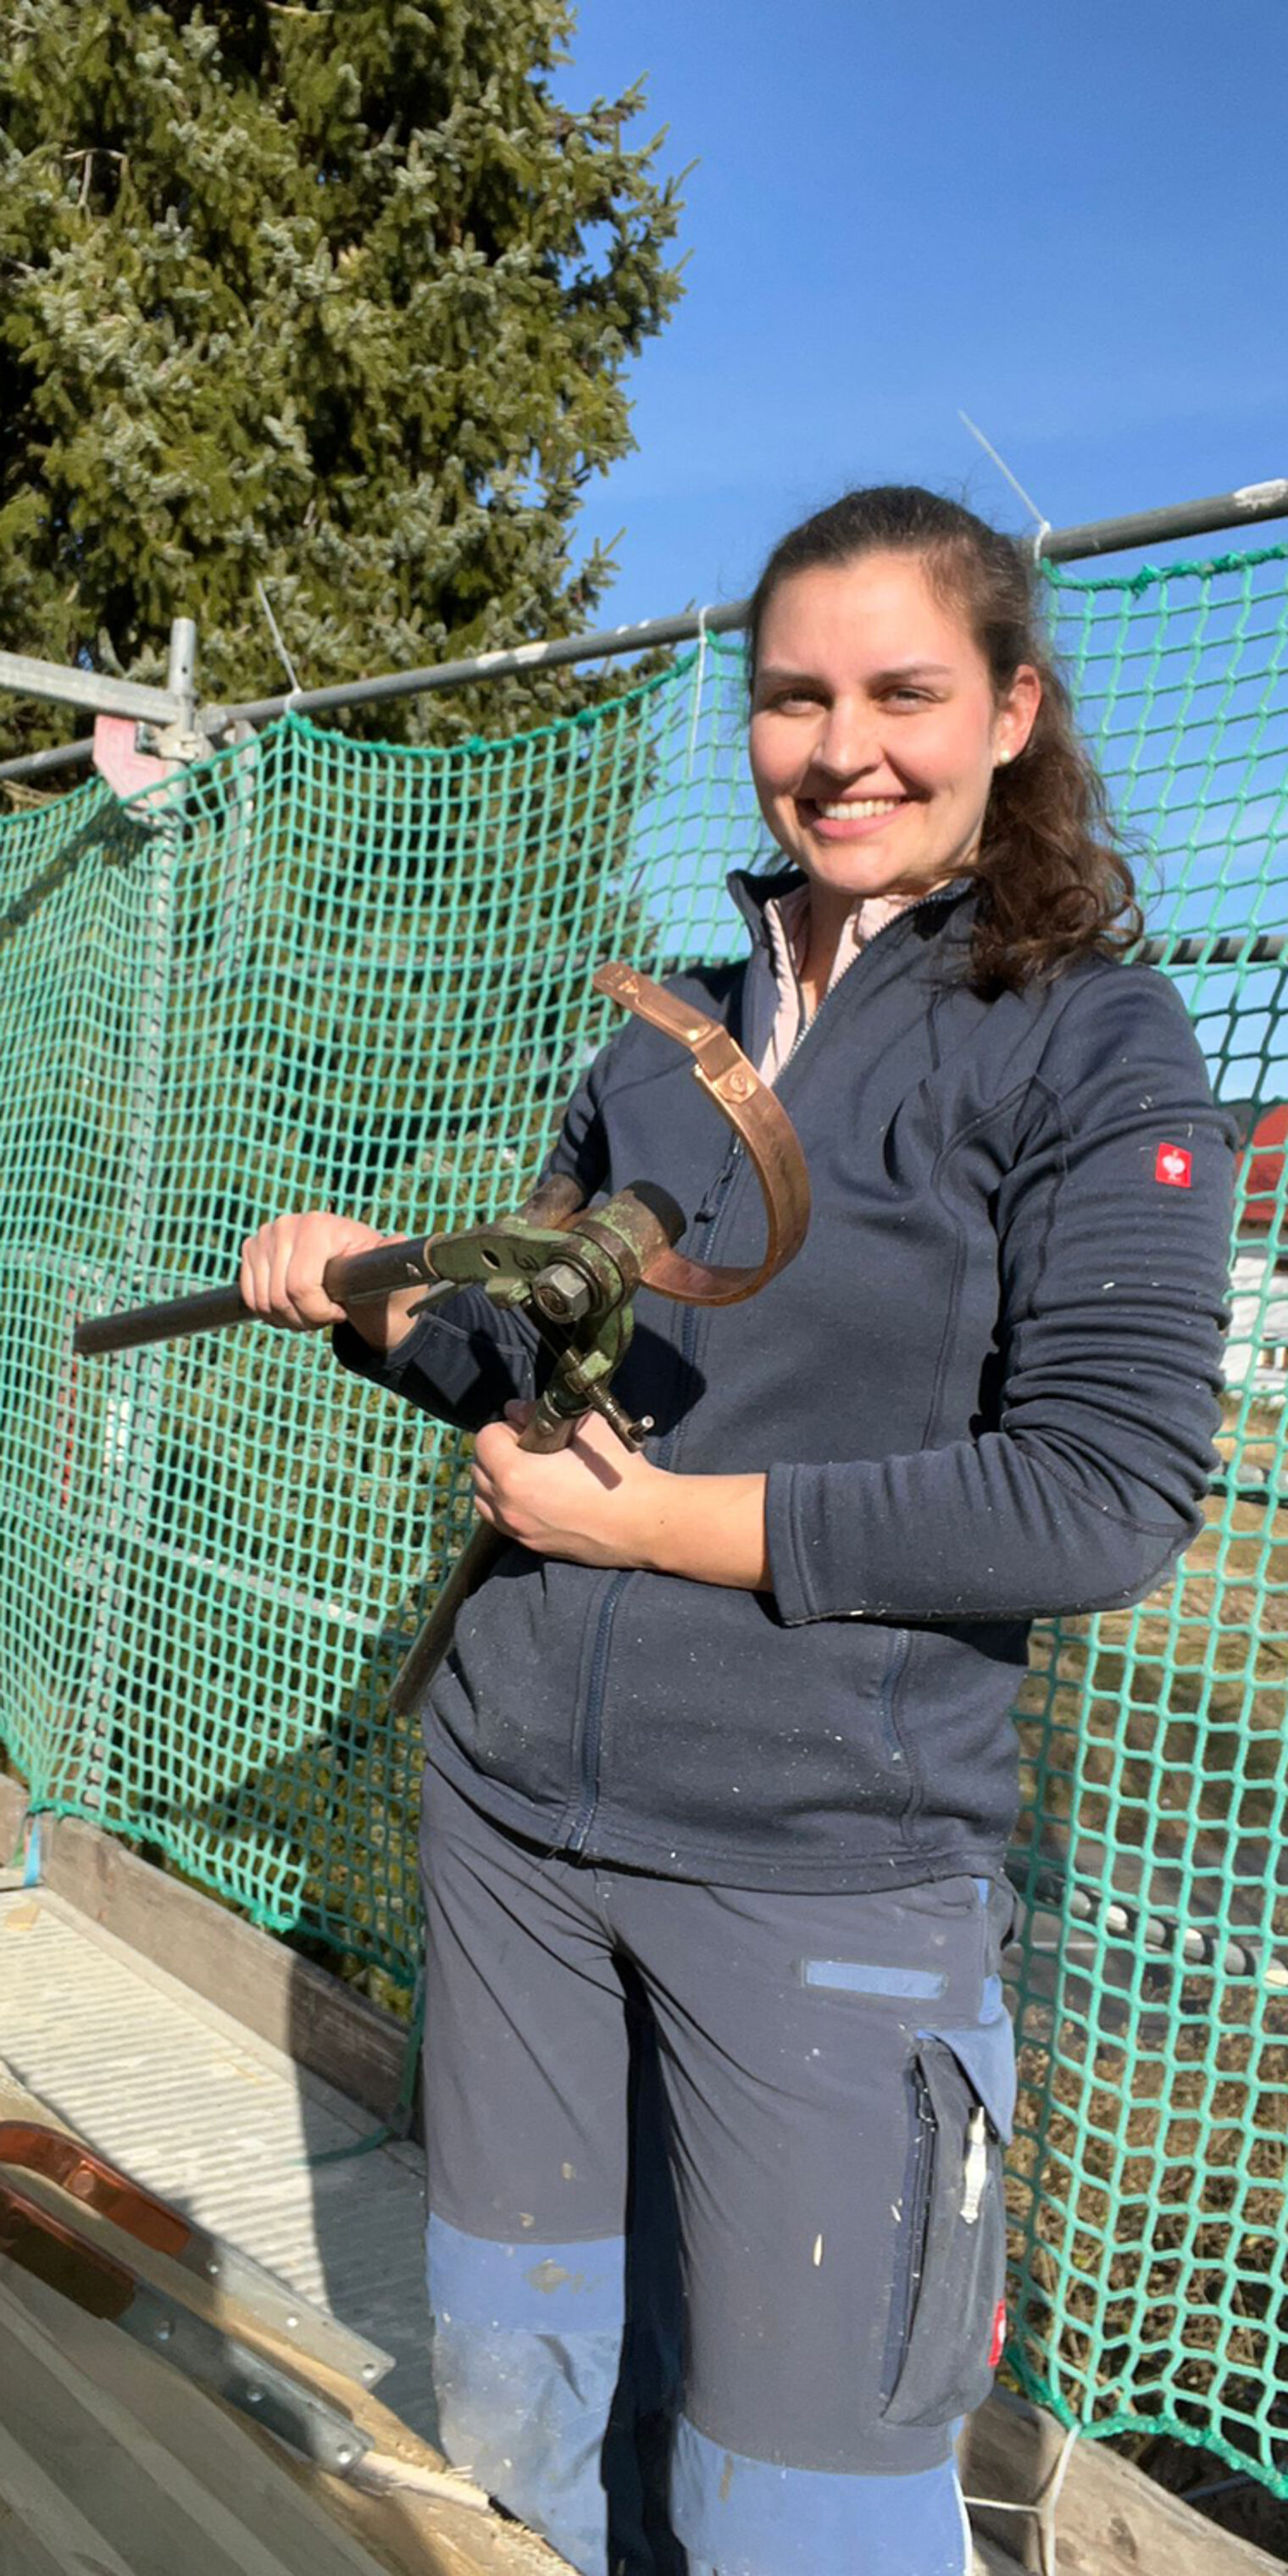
(573, 1270)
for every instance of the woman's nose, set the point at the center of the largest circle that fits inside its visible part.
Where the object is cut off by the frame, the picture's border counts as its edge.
(848, 741)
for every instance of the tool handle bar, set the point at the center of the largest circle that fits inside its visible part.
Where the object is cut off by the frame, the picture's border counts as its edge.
(348, 1279)
(426, 1653)
(208, 1312)
(471, 1569)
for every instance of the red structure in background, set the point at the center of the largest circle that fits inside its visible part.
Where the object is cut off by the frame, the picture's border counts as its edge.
(1262, 1169)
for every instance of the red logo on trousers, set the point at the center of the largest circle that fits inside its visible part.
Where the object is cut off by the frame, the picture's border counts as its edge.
(1173, 1165)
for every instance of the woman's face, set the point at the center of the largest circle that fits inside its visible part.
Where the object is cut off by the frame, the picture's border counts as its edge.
(874, 728)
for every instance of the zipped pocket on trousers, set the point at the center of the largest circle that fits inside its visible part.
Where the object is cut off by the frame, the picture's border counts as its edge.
(950, 2270)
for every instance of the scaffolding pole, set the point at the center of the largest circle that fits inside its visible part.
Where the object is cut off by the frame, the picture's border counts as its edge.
(1248, 505)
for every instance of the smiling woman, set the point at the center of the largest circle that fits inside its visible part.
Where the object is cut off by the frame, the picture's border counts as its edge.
(898, 669)
(874, 773)
(720, 1770)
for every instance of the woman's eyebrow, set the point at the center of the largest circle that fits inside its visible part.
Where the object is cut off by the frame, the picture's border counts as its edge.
(779, 671)
(912, 671)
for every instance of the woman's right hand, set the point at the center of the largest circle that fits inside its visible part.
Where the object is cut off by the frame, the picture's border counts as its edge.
(281, 1277)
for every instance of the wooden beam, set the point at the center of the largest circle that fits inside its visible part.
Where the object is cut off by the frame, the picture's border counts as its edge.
(1111, 2519)
(13, 1807)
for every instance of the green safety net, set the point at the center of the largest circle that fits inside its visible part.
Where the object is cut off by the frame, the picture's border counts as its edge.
(319, 972)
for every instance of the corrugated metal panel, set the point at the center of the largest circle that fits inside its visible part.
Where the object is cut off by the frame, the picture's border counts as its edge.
(216, 2121)
(112, 2464)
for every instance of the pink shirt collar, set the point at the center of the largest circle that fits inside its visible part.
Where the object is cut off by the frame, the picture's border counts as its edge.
(787, 922)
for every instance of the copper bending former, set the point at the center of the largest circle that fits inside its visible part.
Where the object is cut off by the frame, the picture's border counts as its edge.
(758, 1117)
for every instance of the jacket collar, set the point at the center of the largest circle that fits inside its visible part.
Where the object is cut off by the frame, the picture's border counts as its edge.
(751, 891)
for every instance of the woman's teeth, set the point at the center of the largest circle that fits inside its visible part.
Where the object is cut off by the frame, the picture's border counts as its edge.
(862, 809)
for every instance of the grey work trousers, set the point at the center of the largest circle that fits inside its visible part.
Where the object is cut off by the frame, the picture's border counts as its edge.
(716, 2234)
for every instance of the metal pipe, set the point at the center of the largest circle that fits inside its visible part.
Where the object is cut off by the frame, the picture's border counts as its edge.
(62, 755)
(29, 678)
(594, 647)
(181, 674)
(1101, 1909)
(1156, 527)
(1238, 509)
(1251, 1489)
(1059, 545)
(348, 1278)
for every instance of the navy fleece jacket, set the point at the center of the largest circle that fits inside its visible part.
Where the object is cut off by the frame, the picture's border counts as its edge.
(985, 1389)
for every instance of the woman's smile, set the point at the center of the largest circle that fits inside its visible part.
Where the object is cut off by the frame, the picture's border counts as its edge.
(848, 818)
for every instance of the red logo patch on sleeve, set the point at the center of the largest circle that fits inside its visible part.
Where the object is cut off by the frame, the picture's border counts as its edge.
(1173, 1165)
(997, 2345)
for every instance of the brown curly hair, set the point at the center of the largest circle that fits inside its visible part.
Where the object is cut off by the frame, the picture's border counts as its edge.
(1055, 882)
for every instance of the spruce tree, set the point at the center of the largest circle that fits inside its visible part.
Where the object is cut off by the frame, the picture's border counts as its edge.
(328, 295)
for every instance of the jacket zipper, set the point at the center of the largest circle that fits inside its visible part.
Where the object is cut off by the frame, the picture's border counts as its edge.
(593, 1734)
(709, 1218)
(595, 1710)
(912, 2234)
(720, 1187)
(806, 1026)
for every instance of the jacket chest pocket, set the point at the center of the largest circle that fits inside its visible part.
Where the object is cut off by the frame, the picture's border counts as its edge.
(946, 2313)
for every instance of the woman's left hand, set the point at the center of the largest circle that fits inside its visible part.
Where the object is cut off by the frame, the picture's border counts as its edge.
(599, 1503)
(593, 1502)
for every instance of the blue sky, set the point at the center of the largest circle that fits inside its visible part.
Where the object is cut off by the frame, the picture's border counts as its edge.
(1068, 220)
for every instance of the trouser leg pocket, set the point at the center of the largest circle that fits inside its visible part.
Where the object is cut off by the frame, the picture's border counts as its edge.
(950, 2266)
